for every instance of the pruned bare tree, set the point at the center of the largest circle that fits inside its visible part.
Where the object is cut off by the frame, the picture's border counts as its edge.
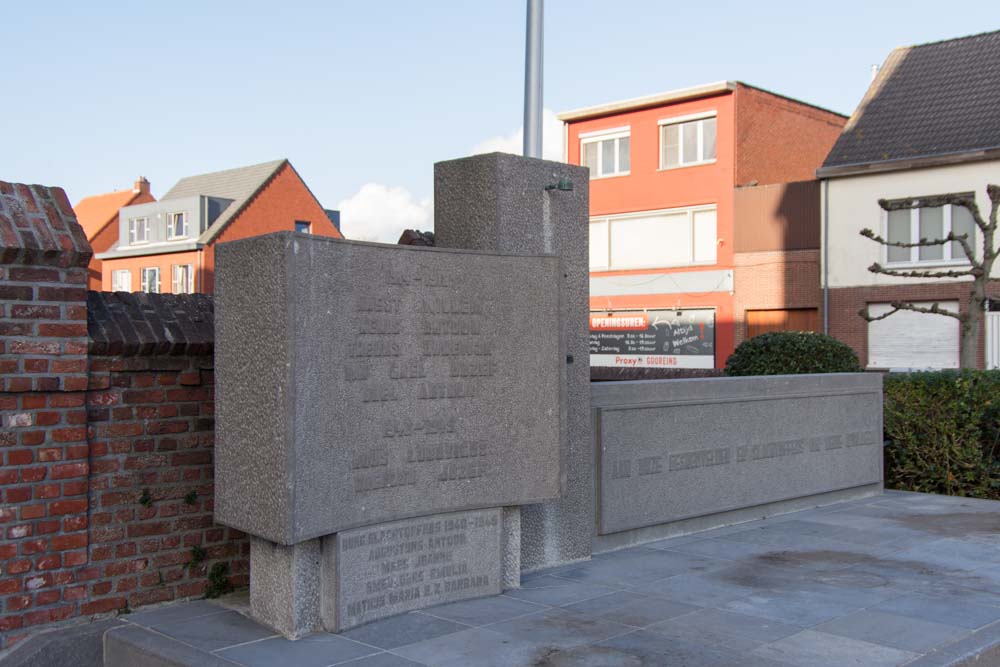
(979, 268)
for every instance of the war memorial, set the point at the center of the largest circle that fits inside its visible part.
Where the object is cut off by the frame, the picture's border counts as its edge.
(428, 430)
(411, 466)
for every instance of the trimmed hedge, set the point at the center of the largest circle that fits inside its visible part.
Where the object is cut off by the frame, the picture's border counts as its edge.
(942, 431)
(792, 353)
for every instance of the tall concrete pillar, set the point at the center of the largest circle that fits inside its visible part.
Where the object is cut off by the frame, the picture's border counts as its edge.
(510, 204)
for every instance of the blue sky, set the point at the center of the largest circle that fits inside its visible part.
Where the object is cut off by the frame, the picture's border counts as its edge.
(364, 97)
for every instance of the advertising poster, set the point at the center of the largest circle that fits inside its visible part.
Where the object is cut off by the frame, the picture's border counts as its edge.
(653, 338)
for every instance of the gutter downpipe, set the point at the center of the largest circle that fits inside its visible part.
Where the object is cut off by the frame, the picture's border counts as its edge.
(826, 256)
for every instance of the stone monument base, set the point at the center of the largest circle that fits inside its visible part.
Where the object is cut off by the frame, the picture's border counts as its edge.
(344, 580)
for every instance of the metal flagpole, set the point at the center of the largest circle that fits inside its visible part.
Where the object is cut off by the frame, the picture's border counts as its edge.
(533, 80)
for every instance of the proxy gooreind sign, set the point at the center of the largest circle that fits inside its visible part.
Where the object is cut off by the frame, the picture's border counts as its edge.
(653, 338)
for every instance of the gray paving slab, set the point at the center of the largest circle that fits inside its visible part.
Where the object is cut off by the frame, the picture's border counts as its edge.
(981, 647)
(476, 646)
(379, 660)
(699, 589)
(644, 611)
(819, 649)
(639, 569)
(656, 649)
(484, 610)
(953, 555)
(718, 627)
(316, 650)
(557, 591)
(966, 587)
(402, 630)
(949, 610)
(156, 617)
(893, 630)
(723, 549)
(215, 631)
(133, 645)
(804, 608)
(560, 628)
(606, 603)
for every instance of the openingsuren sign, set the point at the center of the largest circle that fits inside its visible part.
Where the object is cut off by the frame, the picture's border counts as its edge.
(653, 339)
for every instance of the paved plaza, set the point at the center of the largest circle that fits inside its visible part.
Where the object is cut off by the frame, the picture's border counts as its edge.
(899, 579)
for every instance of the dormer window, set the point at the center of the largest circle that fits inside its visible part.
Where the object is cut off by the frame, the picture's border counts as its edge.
(177, 226)
(138, 231)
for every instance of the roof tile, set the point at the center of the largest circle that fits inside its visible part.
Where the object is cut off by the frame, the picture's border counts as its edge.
(928, 100)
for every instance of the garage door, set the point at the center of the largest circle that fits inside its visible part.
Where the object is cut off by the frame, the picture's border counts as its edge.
(789, 319)
(909, 340)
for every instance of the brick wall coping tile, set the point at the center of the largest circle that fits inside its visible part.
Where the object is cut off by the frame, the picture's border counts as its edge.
(141, 324)
(38, 227)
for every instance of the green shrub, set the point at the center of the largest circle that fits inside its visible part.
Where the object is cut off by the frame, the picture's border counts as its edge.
(942, 430)
(792, 353)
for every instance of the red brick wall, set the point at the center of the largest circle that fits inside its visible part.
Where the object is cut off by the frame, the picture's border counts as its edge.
(43, 375)
(779, 139)
(775, 280)
(98, 454)
(851, 328)
(150, 486)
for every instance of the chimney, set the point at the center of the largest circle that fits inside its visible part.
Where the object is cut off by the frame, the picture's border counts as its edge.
(141, 186)
(874, 72)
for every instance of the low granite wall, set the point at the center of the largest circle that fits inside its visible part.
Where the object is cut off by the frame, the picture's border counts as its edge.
(676, 456)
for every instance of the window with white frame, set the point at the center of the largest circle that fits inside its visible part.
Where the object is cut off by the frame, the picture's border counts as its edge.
(183, 279)
(177, 226)
(687, 141)
(149, 279)
(121, 280)
(654, 239)
(303, 226)
(930, 223)
(138, 230)
(607, 153)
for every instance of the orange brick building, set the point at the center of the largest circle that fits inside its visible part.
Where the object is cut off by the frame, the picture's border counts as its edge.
(674, 207)
(98, 215)
(169, 245)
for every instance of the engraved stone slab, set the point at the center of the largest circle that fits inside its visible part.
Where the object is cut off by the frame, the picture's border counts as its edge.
(361, 383)
(397, 567)
(678, 449)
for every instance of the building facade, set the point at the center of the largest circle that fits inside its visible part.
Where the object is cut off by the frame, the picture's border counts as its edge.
(168, 246)
(898, 147)
(98, 215)
(671, 218)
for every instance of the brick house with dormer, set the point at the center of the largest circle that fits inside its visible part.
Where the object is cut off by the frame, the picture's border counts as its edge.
(169, 245)
(98, 215)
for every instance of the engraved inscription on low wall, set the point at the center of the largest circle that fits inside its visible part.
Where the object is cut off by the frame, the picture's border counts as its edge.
(397, 567)
(684, 459)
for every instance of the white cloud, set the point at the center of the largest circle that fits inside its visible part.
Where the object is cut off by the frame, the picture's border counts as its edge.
(552, 139)
(379, 212)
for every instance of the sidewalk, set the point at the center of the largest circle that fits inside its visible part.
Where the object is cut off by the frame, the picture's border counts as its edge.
(900, 579)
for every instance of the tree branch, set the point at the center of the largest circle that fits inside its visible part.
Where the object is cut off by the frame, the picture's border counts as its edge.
(923, 273)
(993, 192)
(867, 233)
(966, 200)
(897, 306)
(961, 239)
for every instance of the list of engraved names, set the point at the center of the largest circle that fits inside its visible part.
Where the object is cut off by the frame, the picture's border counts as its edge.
(422, 354)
